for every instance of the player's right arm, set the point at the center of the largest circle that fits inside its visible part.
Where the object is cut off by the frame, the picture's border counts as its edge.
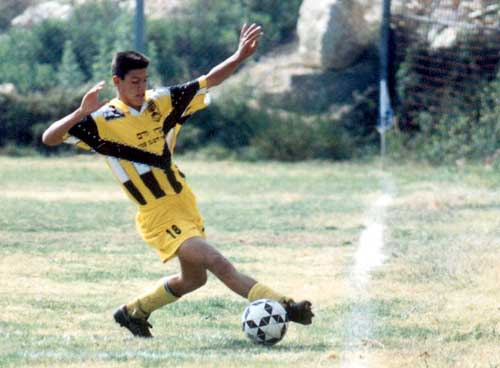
(55, 133)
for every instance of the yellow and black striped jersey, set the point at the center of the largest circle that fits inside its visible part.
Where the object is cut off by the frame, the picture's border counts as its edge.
(138, 145)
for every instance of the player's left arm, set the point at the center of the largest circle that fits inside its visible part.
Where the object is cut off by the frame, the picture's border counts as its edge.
(249, 40)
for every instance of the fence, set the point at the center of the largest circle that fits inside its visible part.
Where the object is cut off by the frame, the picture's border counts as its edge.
(443, 52)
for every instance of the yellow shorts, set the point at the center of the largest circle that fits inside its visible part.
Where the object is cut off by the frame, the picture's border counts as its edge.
(170, 222)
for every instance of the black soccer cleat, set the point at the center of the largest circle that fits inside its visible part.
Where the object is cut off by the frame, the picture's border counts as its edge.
(300, 312)
(138, 326)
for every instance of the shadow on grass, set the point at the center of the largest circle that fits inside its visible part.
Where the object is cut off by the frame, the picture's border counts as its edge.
(245, 345)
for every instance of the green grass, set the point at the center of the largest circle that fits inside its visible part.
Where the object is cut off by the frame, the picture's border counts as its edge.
(70, 254)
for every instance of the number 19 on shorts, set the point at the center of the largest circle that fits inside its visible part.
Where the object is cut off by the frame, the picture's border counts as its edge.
(174, 231)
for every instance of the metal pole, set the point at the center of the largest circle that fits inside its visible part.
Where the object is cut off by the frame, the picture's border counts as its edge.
(139, 26)
(385, 108)
(384, 39)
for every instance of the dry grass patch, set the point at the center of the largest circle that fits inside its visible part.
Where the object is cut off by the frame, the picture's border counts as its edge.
(56, 194)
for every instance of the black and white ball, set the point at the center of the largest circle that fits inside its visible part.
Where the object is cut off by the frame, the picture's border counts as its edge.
(265, 322)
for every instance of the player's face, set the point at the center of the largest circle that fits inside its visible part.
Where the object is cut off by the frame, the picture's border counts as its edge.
(132, 89)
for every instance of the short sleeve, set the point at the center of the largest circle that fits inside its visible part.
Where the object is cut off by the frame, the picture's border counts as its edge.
(74, 136)
(190, 97)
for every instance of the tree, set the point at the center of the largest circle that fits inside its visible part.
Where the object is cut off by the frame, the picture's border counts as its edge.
(154, 76)
(70, 75)
(123, 32)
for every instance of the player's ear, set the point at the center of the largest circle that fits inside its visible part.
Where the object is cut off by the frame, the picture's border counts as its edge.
(116, 80)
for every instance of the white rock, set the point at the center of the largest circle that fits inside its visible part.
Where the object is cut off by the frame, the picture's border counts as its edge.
(41, 12)
(443, 38)
(7, 89)
(332, 33)
(372, 10)
(157, 8)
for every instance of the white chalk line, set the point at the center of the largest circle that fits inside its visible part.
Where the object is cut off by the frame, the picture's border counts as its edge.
(368, 257)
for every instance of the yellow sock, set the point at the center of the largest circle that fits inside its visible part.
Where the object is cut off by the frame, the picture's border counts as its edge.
(144, 305)
(261, 291)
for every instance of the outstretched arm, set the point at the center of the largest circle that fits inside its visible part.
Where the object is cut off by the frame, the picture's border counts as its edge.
(249, 40)
(90, 103)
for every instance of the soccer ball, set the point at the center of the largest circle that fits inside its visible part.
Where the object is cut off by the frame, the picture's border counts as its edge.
(265, 322)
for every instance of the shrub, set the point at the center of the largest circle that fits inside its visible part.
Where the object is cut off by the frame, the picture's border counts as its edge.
(458, 134)
(292, 137)
(24, 118)
(230, 122)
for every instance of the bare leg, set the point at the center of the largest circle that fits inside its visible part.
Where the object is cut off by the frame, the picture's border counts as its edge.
(192, 277)
(196, 256)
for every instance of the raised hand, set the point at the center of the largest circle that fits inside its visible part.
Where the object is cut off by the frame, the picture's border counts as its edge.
(90, 101)
(249, 40)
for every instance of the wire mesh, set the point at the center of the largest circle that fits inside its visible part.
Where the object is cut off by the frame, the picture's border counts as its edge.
(444, 51)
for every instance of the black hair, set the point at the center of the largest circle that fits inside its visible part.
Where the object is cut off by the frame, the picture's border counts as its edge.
(125, 61)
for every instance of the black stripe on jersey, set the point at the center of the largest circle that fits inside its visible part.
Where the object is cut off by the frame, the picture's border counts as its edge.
(173, 180)
(86, 130)
(180, 172)
(182, 120)
(152, 184)
(132, 189)
(181, 96)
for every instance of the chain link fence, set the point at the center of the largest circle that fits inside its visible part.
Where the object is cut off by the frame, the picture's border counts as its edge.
(445, 53)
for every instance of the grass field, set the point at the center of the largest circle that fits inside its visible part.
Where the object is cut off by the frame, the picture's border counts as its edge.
(70, 255)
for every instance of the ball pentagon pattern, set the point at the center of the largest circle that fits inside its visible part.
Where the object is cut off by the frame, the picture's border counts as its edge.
(265, 322)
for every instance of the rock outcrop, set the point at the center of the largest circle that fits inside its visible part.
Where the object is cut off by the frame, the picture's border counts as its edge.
(332, 33)
(54, 9)
(36, 14)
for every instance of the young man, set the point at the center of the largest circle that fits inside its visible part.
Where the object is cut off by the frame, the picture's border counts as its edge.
(137, 133)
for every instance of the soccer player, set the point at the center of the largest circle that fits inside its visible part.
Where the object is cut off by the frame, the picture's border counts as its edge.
(136, 132)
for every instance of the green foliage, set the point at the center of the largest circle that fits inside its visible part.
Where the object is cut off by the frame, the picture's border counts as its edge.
(183, 44)
(123, 30)
(16, 52)
(23, 118)
(50, 37)
(252, 130)
(279, 18)
(51, 63)
(180, 45)
(102, 62)
(232, 123)
(30, 57)
(154, 77)
(70, 74)
(97, 29)
(292, 137)
(458, 134)
(437, 81)
(454, 119)
(212, 28)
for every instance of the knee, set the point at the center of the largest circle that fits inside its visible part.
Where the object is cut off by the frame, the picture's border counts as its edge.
(184, 285)
(194, 284)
